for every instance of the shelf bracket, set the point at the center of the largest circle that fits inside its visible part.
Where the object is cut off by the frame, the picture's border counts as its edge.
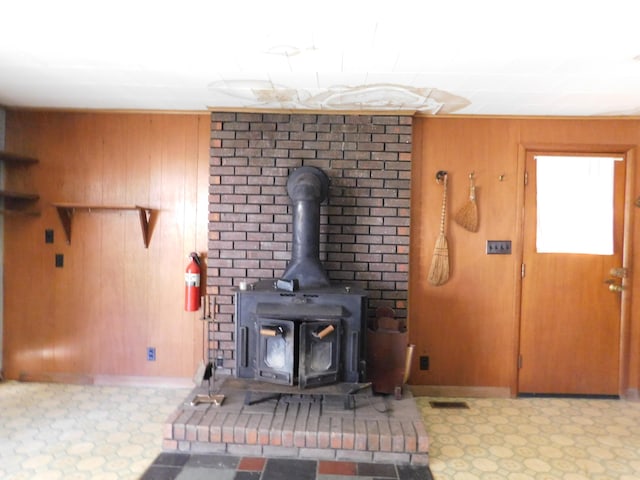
(67, 210)
(145, 216)
(65, 214)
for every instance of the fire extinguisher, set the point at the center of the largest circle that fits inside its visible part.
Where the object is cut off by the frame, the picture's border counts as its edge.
(192, 284)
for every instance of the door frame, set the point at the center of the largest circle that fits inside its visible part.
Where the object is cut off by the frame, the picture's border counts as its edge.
(628, 152)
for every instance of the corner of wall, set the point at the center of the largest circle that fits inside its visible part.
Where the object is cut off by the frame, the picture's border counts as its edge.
(2, 134)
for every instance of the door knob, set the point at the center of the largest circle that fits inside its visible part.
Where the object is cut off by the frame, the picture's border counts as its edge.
(615, 288)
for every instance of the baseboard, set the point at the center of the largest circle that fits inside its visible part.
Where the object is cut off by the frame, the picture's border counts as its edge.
(112, 380)
(136, 381)
(49, 377)
(456, 391)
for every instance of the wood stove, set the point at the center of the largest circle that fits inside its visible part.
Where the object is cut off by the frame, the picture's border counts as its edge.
(300, 329)
(307, 338)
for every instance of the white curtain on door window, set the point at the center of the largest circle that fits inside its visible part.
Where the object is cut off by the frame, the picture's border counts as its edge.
(575, 204)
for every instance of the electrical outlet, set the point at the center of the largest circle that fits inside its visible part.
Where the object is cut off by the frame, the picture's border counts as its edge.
(59, 260)
(151, 354)
(498, 247)
(48, 236)
(424, 362)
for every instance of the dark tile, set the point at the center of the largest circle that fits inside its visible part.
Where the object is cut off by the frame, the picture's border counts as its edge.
(382, 470)
(213, 461)
(414, 472)
(161, 472)
(247, 476)
(171, 459)
(279, 468)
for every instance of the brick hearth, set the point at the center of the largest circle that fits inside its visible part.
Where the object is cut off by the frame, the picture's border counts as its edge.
(378, 429)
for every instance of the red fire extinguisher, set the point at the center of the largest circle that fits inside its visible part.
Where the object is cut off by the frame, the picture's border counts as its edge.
(192, 284)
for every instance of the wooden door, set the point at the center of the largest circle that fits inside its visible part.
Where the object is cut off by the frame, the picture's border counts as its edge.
(570, 319)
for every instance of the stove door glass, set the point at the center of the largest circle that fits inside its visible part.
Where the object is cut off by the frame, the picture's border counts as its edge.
(319, 352)
(276, 351)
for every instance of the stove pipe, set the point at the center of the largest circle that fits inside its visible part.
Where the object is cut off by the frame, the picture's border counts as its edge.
(308, 187)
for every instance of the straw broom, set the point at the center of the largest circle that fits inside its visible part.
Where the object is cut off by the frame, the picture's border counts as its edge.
(467, 216)
(439, 271)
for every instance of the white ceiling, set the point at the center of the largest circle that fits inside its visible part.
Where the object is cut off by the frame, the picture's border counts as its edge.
(473, 57)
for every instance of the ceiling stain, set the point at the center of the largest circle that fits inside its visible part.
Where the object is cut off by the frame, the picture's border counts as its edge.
(379, 97)
(387, 96)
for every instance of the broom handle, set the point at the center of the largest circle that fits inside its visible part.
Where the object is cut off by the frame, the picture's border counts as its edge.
(444, 204)
(472, 188)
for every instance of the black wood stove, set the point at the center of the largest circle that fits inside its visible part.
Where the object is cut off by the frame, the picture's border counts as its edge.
(299, 329)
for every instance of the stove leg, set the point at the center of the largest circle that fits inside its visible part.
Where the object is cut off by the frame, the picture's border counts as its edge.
(398, 392)
(349, 402)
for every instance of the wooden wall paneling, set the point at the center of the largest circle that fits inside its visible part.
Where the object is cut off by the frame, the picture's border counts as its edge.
(113, 298)
(463, 322)
(469, 326)
(168, 183)
(633, 382)
(171, 269)
(135, 257)
(69, 144)
(115, 326)
(28, 320)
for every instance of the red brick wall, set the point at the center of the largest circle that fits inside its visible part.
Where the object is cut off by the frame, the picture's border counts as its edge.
(364, 239)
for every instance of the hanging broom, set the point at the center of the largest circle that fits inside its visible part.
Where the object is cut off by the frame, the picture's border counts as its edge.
(467, 216)
(439, 271)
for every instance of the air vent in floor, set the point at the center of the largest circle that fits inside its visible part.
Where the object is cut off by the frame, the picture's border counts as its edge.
(437, 404)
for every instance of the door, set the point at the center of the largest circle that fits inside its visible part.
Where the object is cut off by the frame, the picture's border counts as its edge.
(570, 318)
(319, 352)
(276, 351)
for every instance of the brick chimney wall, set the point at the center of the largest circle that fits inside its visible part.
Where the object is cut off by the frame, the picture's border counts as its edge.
(364, 231)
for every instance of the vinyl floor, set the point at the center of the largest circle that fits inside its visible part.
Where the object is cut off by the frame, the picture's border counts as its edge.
(57, 431)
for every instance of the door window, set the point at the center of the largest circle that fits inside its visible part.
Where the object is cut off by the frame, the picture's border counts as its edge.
(574, 204)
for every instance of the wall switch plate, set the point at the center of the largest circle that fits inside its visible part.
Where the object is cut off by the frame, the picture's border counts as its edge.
(219, 362)
(59, 260)
(151, 354)
(498, 247)
(48, 236)
(424, 362)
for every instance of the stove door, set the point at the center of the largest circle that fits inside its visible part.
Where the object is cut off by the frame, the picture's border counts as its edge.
(276, 361)
(319, 352)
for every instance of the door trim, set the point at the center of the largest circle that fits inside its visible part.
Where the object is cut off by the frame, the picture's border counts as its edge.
(629, 154)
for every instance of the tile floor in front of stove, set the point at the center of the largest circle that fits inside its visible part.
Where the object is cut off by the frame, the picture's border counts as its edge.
(181, 466)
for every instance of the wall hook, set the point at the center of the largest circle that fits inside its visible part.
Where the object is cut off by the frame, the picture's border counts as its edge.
(501, 177)
(440, 175)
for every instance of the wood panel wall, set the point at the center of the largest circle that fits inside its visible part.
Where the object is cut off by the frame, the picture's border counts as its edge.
(113, 298)
(95, 317)
(469, 326)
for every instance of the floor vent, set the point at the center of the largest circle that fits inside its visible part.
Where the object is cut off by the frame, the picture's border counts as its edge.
(448, 404)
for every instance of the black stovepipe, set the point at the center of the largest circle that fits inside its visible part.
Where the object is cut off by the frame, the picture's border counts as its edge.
(308, 187)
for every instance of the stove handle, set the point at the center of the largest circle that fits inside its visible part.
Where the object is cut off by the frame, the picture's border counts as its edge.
(244, 350)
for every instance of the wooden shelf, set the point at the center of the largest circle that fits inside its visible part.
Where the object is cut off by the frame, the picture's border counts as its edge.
(17, 159)
(16, 203)
(67, 210)
(29, 197)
